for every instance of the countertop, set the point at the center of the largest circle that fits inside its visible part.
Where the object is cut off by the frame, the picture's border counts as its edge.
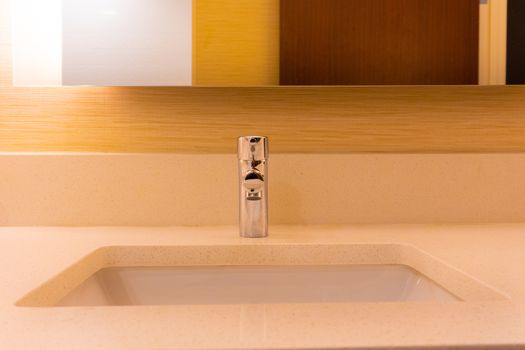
(491, 254)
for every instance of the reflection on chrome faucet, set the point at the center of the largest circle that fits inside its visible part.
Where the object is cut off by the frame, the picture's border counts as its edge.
(253, 186)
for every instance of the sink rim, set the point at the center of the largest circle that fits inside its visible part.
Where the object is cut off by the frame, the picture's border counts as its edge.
(457, 282)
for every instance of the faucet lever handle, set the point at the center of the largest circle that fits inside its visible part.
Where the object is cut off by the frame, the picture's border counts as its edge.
(253, 180)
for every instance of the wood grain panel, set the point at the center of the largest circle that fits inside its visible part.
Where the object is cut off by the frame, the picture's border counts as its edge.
(516, 42)
(379, 42)
(309, 120)
(236, 42)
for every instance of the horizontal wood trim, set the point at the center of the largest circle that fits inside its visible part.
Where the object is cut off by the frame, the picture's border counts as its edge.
(297, 119)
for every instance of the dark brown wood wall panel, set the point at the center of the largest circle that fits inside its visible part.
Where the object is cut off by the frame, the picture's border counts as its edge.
(516, 42)
(371, 42)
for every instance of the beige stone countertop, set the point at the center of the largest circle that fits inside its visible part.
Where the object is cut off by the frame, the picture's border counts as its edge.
(491, 254)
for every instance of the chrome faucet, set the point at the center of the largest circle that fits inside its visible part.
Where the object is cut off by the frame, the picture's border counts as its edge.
(253, 186)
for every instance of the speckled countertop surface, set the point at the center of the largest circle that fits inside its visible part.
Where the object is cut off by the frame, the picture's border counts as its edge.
(491, 254)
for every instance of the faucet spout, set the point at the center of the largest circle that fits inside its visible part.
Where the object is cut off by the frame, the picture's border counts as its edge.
(253, 187)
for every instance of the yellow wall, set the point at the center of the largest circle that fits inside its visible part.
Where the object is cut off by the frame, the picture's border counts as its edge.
(236, 42)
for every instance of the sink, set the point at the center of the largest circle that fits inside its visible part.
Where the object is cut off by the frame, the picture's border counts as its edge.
(130, 276)
(255, 285)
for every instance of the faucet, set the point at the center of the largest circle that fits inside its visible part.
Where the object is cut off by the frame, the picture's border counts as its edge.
(253, 186)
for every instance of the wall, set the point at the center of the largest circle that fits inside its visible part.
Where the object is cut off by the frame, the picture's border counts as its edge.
(144, 190)
(171, 189)
(516, 42)
(380, 42)
(493, 42)
(236, 42)
(5, 44)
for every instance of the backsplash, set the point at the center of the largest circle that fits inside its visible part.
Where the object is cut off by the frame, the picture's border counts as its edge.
(144, 190)
(298, 120)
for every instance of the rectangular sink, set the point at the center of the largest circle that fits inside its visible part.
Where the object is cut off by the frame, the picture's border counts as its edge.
(256, 274)
(255, 285)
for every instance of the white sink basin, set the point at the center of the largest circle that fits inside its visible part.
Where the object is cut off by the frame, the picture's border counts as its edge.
(255, 285)
(255, 274)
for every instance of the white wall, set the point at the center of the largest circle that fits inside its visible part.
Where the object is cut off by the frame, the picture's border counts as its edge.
(102, 42)
(127, 42)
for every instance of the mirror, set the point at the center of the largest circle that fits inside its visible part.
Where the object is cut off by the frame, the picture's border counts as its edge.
(264, 42)
(102, 42)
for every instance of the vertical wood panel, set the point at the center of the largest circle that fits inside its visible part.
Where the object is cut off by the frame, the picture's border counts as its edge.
(341, 42)
(484, 43)
(498, 42)
(493, 38)
(516, 42)
(237, 42)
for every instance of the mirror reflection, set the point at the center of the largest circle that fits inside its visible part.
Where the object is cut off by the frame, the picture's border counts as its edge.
(268, 42)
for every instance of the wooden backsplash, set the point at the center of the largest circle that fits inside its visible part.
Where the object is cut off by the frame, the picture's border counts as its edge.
(345, 119)
(202, 120)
